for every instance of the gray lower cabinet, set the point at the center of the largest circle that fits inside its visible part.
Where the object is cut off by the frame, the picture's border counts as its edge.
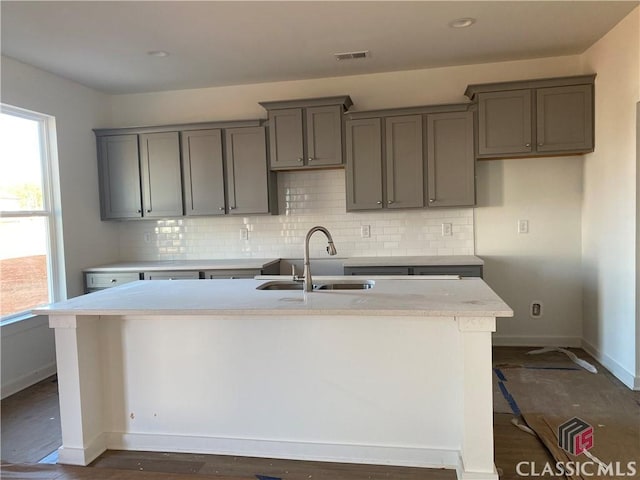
(306, 133)
(172, 275)
(231, 274)
(461, 270)
(203, 173)
(534, 117)
(251, 187)
(119, 170)
(99, 281)
(161, 178)
(450, 159)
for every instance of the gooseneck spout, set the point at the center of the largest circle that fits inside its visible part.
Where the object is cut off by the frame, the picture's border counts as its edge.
(331, 250)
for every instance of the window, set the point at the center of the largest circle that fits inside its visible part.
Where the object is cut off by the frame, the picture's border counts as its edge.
(29, 258)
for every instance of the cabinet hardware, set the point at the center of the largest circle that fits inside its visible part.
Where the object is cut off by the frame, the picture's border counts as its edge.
(389, 202)
(221, 209)
(232, 208)
(540, 144)
(113, 280)
(139, 211)
(311, 159)
(527, 144)
(431, 200)
(379, 202)
(149, 211)
(300, 159)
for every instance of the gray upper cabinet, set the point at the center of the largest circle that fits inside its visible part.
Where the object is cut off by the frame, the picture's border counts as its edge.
(161, 177)
(119, 170)
(564, 118)
(450, 159)
(398, 158)
(251, 188)
(364, 164)
(306, 133)
(203, 172)
(504, 122)
(404, 162)
(551, 116)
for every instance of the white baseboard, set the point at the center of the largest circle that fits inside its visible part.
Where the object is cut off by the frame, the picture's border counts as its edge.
(621, 373)
(31, 378)
(323, 452)
(532, 341)
(83, 456)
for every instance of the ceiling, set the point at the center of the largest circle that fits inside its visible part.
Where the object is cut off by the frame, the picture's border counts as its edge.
(104, 45)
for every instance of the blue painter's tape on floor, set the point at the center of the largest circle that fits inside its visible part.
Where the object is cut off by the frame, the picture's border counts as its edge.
(510, 400)
(263, 477)
(500, 375)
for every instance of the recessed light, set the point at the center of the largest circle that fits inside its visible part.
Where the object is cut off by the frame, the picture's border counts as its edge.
(158, 53)
(462, 22)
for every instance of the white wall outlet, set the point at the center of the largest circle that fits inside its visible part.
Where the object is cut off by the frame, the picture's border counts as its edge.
(147, 237)
(523, 226)
(244, 234)
(447, 230)
(536, 309)
(365, 231)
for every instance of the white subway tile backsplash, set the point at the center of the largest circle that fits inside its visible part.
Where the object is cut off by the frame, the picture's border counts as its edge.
(306, 199)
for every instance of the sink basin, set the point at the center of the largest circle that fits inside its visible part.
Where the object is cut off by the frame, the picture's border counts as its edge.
(291, 285)
(281, 285)
(346, 285)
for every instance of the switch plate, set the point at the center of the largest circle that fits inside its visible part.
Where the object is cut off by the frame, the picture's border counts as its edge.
(244, 234)
(365, 231)
(147, 237)
(447, 230)
(536, 309)
(523, 226)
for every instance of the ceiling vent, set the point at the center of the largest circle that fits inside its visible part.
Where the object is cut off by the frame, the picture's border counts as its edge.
(351, 55)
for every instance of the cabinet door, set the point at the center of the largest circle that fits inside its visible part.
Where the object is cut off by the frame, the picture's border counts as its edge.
(564, 118)
(119, 177)
(161, 182)
(377, 271)
(364, 164)
(285, 135)
(462, 270)
(203, 173)
(247, 173)
(504, 122)
(450, 159)
(324, 135)
(404, 162)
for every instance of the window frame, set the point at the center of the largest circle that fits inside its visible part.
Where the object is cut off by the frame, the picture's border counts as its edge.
(51, 208)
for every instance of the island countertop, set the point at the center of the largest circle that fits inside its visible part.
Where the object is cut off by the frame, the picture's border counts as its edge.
(466, 297)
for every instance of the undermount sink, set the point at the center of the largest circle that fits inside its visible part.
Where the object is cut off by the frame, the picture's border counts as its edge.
(293, 285)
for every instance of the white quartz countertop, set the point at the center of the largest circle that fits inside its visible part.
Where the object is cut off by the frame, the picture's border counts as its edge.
(168, 265)
(426, 260)
(468, 297)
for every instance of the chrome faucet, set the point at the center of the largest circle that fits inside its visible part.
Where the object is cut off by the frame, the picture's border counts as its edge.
(331, 250)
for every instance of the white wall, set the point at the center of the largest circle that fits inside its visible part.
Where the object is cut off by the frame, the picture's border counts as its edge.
(27, 352)
(610, 208)
(553, 276)
(543, 265)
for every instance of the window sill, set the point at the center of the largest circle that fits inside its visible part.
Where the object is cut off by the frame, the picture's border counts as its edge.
(20, 323)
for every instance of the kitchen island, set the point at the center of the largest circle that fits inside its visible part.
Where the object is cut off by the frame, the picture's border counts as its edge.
(396, 374)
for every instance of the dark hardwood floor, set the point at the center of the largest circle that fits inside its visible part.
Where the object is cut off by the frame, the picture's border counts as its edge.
(31, 430)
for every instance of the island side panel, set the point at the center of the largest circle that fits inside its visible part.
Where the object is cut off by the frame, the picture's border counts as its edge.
(477, 459)
(384, 390)
(78, 356)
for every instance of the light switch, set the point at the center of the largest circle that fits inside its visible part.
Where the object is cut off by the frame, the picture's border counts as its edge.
(244, 234)
(365, 231)
(447, 230)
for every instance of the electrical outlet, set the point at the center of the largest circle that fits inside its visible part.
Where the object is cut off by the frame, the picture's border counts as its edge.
(365, 231)
(147, 237)
(535, 311)
(523, 226)
(244, 234)
(447, 230)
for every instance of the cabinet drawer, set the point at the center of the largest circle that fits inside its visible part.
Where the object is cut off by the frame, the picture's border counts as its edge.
(376, 270)
(249, 273)
(107, 280)
(176, 275)
(462, 270)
